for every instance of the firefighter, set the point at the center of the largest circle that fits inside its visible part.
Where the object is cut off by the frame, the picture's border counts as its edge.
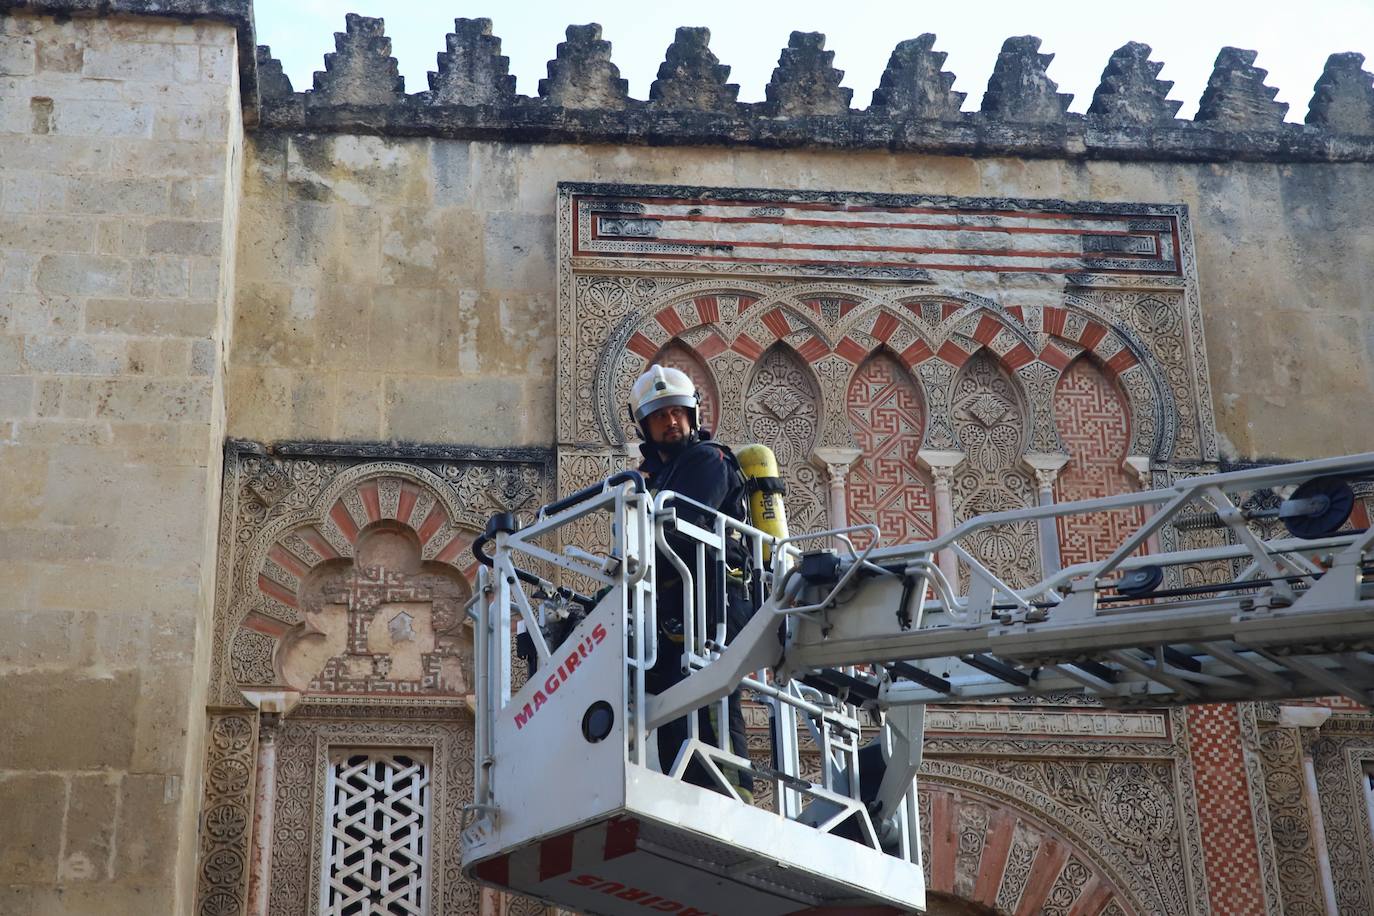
(681, 456)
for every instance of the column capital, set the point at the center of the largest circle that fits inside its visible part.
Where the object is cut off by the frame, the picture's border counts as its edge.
(1046, 467)
(1139, 465)
(836, 459)
(272, 704)
(941, 463)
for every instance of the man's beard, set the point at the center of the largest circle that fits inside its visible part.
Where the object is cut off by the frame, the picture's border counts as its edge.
(673, 449)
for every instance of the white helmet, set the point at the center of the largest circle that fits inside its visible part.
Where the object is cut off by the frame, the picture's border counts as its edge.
(662, 386)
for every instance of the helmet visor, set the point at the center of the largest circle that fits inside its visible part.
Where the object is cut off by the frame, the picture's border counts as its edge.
(666, 400)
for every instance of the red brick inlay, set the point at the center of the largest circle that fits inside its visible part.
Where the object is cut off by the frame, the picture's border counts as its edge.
(347, 527)
(916, 354)
(318, 543)
(747, 347)
(1123, 360)
(671, 321)
(993, 861)
(852, 350)
(712, 345)
(744, 303)
(953, 354)
(776, 322)
(942, 843)
(288, 561)
(1017, 312)
(451, 551)
(949, 308)
(813, 349)
(1019, 356)
(708, 309)
(410, 494)
(278, 591)
(641, 346)
(884, 327)
(372, 500)
(1229, 850)
(1049, 861)
(1055, 357)
(1054, 320)
(987, 329)
(1092, 335)
(432, 523)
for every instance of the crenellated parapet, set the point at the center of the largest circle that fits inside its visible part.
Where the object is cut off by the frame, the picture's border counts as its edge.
(915, 108)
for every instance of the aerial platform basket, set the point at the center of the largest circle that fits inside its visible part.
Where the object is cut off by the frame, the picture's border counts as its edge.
(570, 806)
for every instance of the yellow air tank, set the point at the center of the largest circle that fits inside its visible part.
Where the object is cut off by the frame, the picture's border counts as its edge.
(766, 490)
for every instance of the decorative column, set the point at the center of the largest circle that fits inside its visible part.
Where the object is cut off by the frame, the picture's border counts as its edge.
(942, 463)
(272, 705)
(837, 462)
(1046, 467)
(1307, 720)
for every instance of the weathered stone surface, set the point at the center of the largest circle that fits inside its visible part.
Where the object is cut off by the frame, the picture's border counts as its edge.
(805, 82)
(1131, 92)
(1344, 96)
(1020, 89)
(1236, 97)
(913, 85)
(692, 78)
(29, 846)
(273, 83)
(361, 70)
(472, 71)
(581, 74)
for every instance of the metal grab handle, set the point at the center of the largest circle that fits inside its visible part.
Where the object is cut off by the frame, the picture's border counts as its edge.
(596, 489)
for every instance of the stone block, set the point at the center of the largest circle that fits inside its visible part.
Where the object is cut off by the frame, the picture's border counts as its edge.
(187, 63)
(267, 331)
(344, 314)
(42, 315)
(518, 251)
(101, 118)
(202, 121)
(36, 639)
(171, 158)
(46, 710)
(119, 596)
(55, 153)
(135, 316)
(32, 839)
(160, 278)
(154, 400)
(192, 237)
(58, 55)
(118, 236)
(205, 355)
(403, 332)
(198, 198)
(75, 355)
(146, 62)
(147, 829)
(82, 275)
(47, 233)
(35, 192)
(62, 432)
(88, 848)
(164, 706)
(47, 400)
(358, 410)
(23, 472)
(83, 487)
(10, 354)
(16, 396)
(18, 55)
(134, 196)
(480, 411)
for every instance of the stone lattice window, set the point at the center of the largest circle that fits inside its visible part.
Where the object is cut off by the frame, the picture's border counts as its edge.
(376, 836)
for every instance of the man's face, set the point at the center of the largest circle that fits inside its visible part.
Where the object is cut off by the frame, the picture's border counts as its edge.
(668, 425)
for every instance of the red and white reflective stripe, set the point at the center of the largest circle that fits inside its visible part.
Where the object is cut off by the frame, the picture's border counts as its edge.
(555, 856)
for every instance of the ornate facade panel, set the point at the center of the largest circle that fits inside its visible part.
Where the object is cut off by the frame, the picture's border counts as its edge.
(989, 415)
(1290, 825)
(1230, 843)
(222, 882)
(782, 408)
(886, 485)
(1091, 417)
(1343, 755)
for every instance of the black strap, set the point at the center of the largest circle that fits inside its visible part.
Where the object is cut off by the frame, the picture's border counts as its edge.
(766, 485)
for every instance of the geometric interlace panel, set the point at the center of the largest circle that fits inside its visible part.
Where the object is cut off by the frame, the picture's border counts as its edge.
(376, 845)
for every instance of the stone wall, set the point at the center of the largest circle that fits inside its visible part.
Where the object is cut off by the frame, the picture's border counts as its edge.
(120, 151)
(403, 288)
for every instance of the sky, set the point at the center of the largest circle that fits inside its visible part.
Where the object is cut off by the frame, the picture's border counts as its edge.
(1293, 39)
